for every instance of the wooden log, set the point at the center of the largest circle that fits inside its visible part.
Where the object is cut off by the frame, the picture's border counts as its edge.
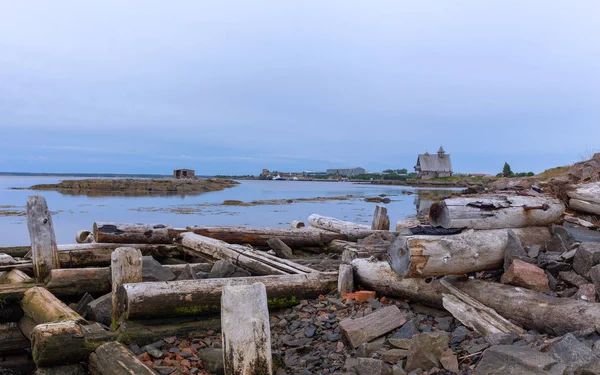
(585, 198)
(245, 330)
(82, 236)
(281, 249)
(381, 220)
(98, 254)
(76, 281)
(470, 251)
(496, 212)
(253, 261)
(351, 231)
(15, 292)
(26, 326)
(196, 297)
(43, 239)
(147, 331)
(345, 280)
(132, 233)
(378, 323)
(12, 340)
(126, 267)
(353, 250)
(113, 358)
(258, 236)
(15, 251)
(43, 307)
(298, 224)
(16, 276)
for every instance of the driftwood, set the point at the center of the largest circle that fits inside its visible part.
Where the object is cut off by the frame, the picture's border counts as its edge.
(281, 249)
(353, 250)
(17, 276)
(381, 220)
(259, 236)
(43, 240)
(361, 330)
(470, 251)
(585, 198)
(43, 307)
(351, 231)
(345, 280)
(75, 281)
(113, 358)
(195, 297)
(126, 267)
(245, 330)
(297, 224)
(132, 233)
(84, 236)
(12, 340)
(496, 212)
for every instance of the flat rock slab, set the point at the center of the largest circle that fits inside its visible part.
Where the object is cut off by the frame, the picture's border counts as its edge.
(152, 270)
(426, 350)
(517, 360)
(378, 323)
(587, 256)
(364, 366)
(224, 268)
(572, 351)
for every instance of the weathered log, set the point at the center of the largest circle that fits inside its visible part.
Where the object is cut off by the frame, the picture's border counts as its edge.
(12, 340)
(351, 231)
(126, 267)
(470, 251)
(281, 249)
(242, 256)
(298, 224)
(245, 330)
(258, 236)
(75, 281)
(147, 331)
(15, 251)
(345, 280)
(15, 292)
(26, 326)
(98, 254)
(361, 330)
(585, 198)
(113, 358)
(496, 212)
(132, 233)
(16, 276)
(82, 236)
(43, 307)
(43, 239)
(195, 297)
(353, 250)
(381, 220)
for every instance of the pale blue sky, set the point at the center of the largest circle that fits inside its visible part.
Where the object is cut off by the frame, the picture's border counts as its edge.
(235, 86)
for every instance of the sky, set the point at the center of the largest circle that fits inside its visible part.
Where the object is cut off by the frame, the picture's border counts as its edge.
(231, 87)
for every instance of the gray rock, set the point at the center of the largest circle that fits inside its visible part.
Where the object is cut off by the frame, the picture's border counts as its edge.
(569, 254)
(57, 370)
(595, 276)
(425, 351)
(459, 335)
(556, 266)
(533, 251)
(165, 370)
(394, 355)
(407, 331)
(552, 283)
(587, 257)
(517, 360)
(135, 349)
(398, 370)
(558, 242)
(187, 274)
(223, 268)
(212, 360)
(572, 351)
(502, 338)
(513, 250)
(399, 343)
(202, 275)
(83, 303)
(444, 323)
(581, 234)
(572, 278)
(152, 270)
(153, 351)
(544, 259)
(364, 366)
(310, 331)
(367, 349)
(99, 309)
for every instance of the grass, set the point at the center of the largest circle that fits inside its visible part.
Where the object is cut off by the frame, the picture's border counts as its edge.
(554, 173)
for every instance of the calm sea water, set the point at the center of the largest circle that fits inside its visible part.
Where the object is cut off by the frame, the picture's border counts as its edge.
(75, 212)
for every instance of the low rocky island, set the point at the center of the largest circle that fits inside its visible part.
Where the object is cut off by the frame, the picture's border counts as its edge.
(154, 186)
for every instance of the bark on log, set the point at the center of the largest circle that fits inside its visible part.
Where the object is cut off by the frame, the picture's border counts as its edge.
(113, 358)
(281, 249)
(381, 220)
(12, 340)
(496, 212)
(253, 261)
(195, 297)
(258, 236)
(132, 233)
(43, 239)
(351, 231)
(126, 267)
(378, 323)
(585, 198)
(245, 330)
(470, 251)
(76, 281)
(345, 280)
(43, 307)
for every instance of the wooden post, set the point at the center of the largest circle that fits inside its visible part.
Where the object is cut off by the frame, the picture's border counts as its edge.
(345, 280)
(281, 249)
(381, 220)
(126, 267)
(245, 330)
(43, 240)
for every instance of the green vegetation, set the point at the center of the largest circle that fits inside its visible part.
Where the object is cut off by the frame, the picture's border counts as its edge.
(507, 172)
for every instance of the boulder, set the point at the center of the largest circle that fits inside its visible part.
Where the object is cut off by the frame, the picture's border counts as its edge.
(526, 275)
(224, 268)
(99, 309)
(212, 359)
(517, 360)
(425, 351)
(572, 352)
(513, 250)
(152, 270)
(586, 257)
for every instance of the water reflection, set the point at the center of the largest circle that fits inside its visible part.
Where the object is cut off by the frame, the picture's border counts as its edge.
(424, 198)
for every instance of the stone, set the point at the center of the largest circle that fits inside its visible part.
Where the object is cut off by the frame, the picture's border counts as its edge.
(572, 351)
(76, 369)
(557, 244)
(212, 360)
(165, 370)
(586, 292)
(595, 276)
(135, 349)
(449, 361)
(586, 257)
(513, 249)
(99, 309)
(582, 235)
(367, 349)
(552, 283)
(407, 331)
(443, 323)
(364, 366)
(501, 338)
(187, 274)
(544, 259)
(83, 303)
(526, 275)
(517, 360)
(569, 254)
(152, 270)
(459, 335)
(398, 370)
(153, 351)
(394, 355)
(425, 351)
(572, 278)
(310, 331)
(533, 251)
(557, 266)
(361, 330)
(223, 268)
(399, 343)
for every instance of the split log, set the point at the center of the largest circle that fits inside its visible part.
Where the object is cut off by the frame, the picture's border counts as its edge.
(195, 297)
(281, 249)
(43, 239)
(345, 280)
(496, 212)
(585, 198)
(12, 340)
(132, 233)
(43, 307)
(298, 224)
(245, 330)
(126, 267)
(381, 220)
(113, 358)
(258, 236)
(242, 256)
(351, 231)
(17, 276)
(470, 251)
(378, 323)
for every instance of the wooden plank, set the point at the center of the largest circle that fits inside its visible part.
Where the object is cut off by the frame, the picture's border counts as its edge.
(126, 267)
(378, 323)
(114, 358)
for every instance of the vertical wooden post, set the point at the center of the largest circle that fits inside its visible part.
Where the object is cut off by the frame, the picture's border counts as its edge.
(43, 241)
(381, 220)
(126, 267)
(345, 280)
(245, 330)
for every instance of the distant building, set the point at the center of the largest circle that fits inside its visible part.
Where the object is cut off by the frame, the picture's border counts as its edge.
(265, 171)
(184, 173)
(436, 165)
(346, 172)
